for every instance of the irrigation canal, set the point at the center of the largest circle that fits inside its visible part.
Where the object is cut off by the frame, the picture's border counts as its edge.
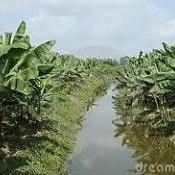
(100, 152)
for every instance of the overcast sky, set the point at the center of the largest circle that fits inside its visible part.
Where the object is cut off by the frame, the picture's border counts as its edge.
(94, 27)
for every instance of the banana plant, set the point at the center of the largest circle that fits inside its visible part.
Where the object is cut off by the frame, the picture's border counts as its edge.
(150, 76)
(24, 70)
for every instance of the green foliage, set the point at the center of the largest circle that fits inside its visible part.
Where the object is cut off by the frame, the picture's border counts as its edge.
(39, 113)
(148, 80)
(24, 70)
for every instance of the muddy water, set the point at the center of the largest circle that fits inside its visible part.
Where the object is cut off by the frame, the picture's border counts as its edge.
(100, 152)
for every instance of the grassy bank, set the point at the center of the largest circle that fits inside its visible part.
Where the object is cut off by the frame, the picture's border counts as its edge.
(47, 151)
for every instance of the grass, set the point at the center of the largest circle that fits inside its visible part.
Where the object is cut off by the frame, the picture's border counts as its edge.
(47, 151)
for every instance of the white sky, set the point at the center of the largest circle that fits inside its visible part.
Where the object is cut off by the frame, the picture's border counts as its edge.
(94, 27)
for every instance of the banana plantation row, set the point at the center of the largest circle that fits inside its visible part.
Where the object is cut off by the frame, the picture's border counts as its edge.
(31, 76)
(146, 85)
(35, 81)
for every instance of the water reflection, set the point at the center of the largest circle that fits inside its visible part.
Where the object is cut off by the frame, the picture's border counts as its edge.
(109, 149)
(99, 152)
(150, 147)
(154, 150)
